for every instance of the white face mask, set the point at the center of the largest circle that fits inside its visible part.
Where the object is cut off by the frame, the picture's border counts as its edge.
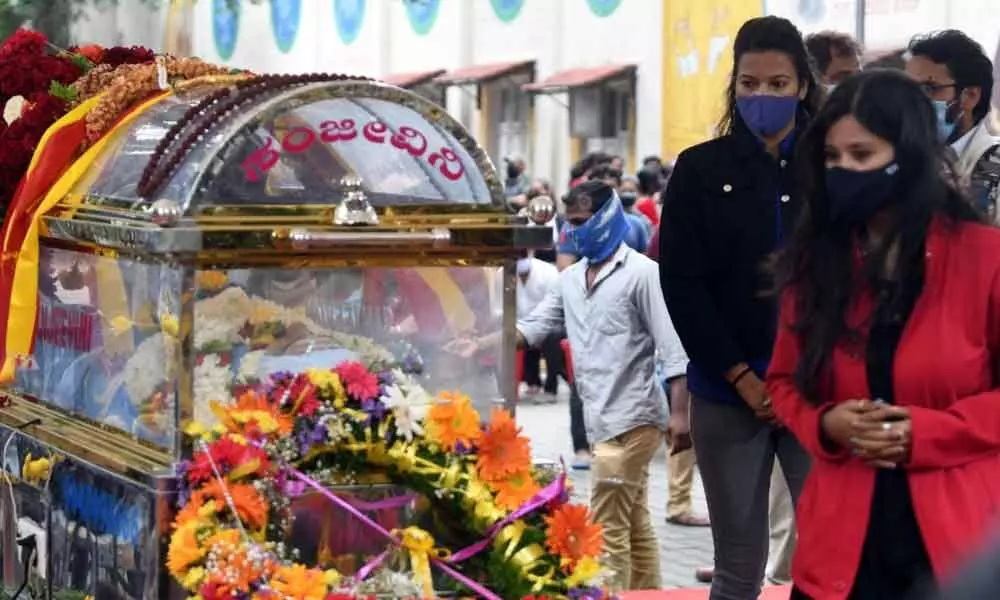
(523, 266)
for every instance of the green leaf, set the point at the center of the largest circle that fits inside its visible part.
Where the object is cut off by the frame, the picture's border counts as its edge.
(63, 92)
(81, 61)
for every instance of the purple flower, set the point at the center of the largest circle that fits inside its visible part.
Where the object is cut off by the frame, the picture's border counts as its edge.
(312, 437)
(587, 593)
(462, 449)
(375, 409)
(292, 488)
(386, 378)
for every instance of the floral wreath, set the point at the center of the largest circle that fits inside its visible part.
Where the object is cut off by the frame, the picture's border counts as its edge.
(515, 538)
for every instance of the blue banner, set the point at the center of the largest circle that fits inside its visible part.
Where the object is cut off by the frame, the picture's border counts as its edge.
(422, 14)
(349, 16)
(507, 10)
(285, 17)
(225, 27)
(603, 8)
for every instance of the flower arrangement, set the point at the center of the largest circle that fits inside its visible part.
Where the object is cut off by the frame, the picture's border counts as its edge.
(46, 82)
(306, 431)
(41, 76)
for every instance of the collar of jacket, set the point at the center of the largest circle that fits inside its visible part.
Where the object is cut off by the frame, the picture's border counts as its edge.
(747, 144)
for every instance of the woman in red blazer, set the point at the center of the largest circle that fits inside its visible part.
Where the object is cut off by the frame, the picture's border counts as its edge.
(885, 364)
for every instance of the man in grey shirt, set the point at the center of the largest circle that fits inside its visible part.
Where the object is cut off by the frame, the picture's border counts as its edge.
(618, 326)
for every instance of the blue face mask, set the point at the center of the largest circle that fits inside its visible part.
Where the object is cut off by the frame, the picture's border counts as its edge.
(767, 115)
(602, 234)
(945, 128)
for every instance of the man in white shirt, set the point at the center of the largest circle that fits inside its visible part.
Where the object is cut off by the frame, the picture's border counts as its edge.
(957, 76)
(534, 280)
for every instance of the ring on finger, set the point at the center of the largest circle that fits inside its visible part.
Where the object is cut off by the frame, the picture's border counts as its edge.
(886, 426)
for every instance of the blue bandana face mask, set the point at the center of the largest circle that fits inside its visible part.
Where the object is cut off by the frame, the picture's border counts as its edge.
(602, 234)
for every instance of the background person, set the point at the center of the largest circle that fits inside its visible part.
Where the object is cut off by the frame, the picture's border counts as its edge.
(730, 204)
(836, 56)
(957, 76)
(535, 278)
(904, 429)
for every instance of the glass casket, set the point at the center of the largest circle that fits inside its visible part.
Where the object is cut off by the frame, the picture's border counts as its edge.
(213, 243)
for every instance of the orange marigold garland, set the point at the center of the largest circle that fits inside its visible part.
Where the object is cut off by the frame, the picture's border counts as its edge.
(335, 424)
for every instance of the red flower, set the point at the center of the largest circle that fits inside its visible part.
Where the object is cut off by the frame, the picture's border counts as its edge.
(360, 383)
(296, 393)
(127, 55)
(227, 455)
(212, 591)
(92, 52)
(24, 42)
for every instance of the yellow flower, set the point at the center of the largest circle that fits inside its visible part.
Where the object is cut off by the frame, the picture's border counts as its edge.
(265, 421)
(261, 315)
(169, 325)
(208, 510)
(329, 385)
(587, 569)
(192, 581)
(331, 577)
(184, 549)
(211, 280)
(120, 324)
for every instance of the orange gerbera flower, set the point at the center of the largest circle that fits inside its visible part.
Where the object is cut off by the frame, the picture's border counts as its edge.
(250, 505)
(253, 411)
(299, 583)
(502, 450)
(572, 534)
(514, 490)
(184, 551)
(452, 421)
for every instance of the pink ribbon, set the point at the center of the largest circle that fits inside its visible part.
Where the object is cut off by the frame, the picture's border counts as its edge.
(367, 569)
(548, 494)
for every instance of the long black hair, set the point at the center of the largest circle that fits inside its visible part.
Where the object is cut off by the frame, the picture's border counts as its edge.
(771, 34)
(819, 262)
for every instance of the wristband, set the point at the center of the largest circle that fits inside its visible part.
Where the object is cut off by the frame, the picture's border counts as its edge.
(746, 371)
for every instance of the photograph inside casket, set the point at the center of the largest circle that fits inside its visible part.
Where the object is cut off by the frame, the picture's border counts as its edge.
(258, 343)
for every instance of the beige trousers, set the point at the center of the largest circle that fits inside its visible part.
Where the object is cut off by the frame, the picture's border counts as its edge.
(781, 516)
(620, 501)
(681, 467)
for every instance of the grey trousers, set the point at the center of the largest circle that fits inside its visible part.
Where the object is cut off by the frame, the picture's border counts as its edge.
(736, 453)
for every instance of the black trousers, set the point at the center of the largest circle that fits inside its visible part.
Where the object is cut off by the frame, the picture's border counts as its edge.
(577, 427)
(554, 363)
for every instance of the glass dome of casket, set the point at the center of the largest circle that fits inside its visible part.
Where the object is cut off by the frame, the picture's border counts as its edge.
(294, 147)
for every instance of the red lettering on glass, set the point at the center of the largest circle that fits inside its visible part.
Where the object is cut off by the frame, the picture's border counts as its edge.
(410, 140)
(260, 162)
(375, 132)
(298, 139)
(344, 130)
(447, 163)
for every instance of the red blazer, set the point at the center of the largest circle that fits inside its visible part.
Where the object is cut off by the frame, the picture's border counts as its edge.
(946, 374)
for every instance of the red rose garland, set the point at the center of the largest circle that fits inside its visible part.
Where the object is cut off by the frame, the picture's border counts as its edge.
(28, 68)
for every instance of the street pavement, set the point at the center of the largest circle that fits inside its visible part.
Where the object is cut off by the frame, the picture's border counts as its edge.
(682, 549)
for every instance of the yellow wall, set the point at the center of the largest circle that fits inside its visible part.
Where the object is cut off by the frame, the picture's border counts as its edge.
(697, 59)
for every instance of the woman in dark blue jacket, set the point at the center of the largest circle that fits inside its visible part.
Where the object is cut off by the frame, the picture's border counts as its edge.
(729, 205)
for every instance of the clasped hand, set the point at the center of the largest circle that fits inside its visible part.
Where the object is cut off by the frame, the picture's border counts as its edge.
(876, 432)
